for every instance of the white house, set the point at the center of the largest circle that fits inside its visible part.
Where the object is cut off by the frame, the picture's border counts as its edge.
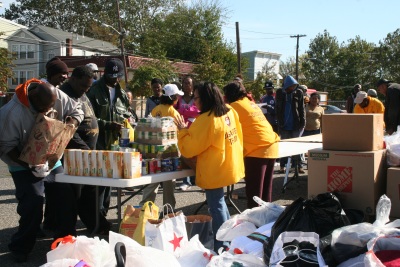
(35, 46)
(258, 60)
(8, 28)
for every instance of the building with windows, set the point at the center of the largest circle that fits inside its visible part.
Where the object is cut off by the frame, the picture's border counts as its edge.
(33, 47)
(260, 61)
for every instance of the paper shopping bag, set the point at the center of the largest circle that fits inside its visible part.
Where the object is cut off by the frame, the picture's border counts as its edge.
(168, 234)
(47, 141)
(201, 225)
(130, 221)
(149, 211)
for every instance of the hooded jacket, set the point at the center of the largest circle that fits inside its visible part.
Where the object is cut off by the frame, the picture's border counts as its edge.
(297, 106)
(18, 116)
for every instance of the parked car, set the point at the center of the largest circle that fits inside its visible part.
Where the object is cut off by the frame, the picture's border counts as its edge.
(330, 109)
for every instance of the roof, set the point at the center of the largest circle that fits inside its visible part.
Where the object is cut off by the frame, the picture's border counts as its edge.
(78, 40)
(261, 52)
(133, 62)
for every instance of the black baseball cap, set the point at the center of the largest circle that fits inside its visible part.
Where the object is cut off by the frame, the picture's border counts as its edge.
(114, 68)
(268, 85)
(382, 81)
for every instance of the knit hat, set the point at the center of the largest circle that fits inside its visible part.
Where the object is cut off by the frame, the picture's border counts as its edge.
(372, 92)
(55, 66)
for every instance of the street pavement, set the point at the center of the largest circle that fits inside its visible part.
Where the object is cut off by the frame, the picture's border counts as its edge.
(187, 201)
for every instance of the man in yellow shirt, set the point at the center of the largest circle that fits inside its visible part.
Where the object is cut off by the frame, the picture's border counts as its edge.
(367, 104)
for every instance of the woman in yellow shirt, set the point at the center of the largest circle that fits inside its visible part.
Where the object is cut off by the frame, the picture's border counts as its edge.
(215, 137)
(260, 144)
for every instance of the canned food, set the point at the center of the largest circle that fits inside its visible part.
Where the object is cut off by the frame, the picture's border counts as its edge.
(146, 135)
(153, 149)
(177, 164)
(145, 167)
(124, 142)
(152, 166)
(114, 147)
(158, 161)
(125, 133)
(166, 165)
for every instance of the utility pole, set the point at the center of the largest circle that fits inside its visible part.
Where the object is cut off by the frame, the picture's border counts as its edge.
(297, 53)
(121, 39)
(239, 68)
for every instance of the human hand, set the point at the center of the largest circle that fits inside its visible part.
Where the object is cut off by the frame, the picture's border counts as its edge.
(41, 170)
(115, 126)
(180, 123)
(70, 120)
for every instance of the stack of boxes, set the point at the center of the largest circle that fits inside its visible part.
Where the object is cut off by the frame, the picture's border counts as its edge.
(352, 162)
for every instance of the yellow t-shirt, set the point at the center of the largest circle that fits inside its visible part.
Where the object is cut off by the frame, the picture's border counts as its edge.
(374, 106)
(164, 110)
(259, 139)
(218, 144)
(313, 118)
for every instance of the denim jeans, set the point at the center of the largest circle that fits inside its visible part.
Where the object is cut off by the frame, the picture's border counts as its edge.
(29, 191)
(218, 211)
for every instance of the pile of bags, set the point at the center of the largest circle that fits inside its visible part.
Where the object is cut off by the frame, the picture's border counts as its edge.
(312, 232)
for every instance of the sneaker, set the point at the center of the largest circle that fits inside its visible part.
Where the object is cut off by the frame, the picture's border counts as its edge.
(282, 170)
(185, 187)
(301, 170)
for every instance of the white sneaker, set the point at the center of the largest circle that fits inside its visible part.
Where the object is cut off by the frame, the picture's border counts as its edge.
(185, 187)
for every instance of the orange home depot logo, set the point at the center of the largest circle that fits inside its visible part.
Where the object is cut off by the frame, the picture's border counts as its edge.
(340, 179)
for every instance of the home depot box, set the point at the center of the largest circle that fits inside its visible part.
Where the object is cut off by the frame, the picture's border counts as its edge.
(355, 132)
(393, 190)
(359, 178)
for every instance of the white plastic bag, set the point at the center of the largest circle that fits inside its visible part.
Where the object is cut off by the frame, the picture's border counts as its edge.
(280, 251)
(248, 244)
(194, 254)
(246, 223)
(350, 241)
(93, 251)
(138, 255)
(61, 263)
(227, 259)
(393, 148)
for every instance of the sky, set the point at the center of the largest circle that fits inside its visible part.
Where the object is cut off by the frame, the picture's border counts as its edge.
(266, 25)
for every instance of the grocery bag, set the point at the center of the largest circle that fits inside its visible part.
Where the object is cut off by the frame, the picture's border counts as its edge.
(130, 221)
(149, 211)
(201, 225)
(168, 234)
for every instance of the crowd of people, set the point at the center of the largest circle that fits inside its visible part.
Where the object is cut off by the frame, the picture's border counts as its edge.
(227, 136)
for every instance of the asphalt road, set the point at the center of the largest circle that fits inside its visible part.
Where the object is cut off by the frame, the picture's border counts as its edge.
(187, 201)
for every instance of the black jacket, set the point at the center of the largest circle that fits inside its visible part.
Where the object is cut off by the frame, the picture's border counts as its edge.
(392, 107)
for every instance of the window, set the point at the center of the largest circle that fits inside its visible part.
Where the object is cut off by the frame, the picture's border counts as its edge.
(21, 76)
(23, 51)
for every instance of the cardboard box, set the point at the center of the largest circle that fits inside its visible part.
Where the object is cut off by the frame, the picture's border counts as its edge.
(354, 132)
(359, 178)
(393, 190)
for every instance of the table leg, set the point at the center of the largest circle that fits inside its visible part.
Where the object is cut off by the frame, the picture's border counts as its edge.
(119, 205)
(97, 208)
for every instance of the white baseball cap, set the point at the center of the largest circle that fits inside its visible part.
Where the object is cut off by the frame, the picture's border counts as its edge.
(92, 66)
(360, 97)
(171, 89)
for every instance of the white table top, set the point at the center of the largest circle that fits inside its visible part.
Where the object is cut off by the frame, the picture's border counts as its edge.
(287, 149)
(146, 179)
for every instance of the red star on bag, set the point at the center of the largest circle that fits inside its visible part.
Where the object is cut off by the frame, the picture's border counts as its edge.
(176, 241)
